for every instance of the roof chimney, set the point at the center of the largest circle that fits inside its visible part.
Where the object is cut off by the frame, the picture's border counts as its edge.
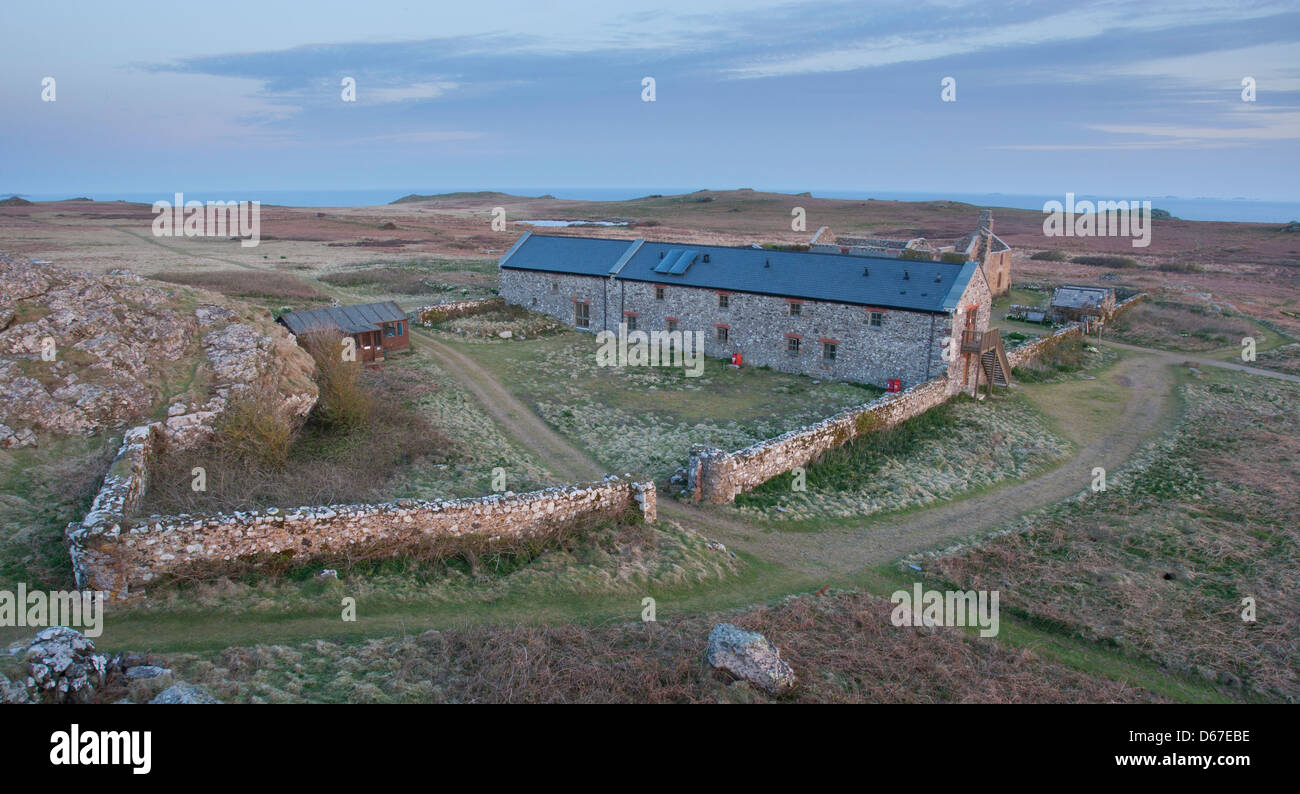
(906, 276)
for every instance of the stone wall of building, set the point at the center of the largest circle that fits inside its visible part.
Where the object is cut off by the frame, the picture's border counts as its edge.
(558, 294)
(906, 344)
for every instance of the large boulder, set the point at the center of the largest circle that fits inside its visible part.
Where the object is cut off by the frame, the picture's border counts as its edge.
(749, 656)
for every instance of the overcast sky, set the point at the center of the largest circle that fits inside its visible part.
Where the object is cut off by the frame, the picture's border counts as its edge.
(1112, 98)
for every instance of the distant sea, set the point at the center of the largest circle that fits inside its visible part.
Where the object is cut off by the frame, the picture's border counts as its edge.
(1194, 209)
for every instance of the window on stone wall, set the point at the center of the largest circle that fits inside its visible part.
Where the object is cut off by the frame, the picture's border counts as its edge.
(877, 319)
(724, 301)
(630, 319)
(792, 345)
(796, 309)
(582, 315)
(672, 326)
(659, 293)
(722, 335)
(828, 351)
(555, 286)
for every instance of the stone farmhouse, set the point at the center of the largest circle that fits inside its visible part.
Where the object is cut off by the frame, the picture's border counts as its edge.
(844, 317)
(982, 246)
(378, 329)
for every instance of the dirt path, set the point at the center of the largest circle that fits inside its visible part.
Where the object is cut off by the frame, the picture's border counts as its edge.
(1179, 358)
(518, 421)
(836, 549)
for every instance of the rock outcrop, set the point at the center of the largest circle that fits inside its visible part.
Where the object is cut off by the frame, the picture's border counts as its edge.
(749, 656)
(82, 353)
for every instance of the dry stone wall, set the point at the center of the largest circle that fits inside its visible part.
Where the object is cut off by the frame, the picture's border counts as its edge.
(717, 476)
(713, 475)
(122, 557)
(440, 312)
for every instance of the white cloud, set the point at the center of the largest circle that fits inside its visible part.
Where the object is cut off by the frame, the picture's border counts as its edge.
(1075, 24)
(405, 93)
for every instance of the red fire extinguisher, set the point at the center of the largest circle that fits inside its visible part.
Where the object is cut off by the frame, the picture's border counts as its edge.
(737, 359)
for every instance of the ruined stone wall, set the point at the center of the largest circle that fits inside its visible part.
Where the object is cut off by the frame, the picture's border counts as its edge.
(123, 557)
(717, 476)
(440, 312)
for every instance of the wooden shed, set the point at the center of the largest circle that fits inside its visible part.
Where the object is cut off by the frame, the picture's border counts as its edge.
(377, 328)
(1071, 302)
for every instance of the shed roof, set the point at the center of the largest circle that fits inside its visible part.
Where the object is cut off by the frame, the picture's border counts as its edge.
(348, 319)
(1076, 297)
(862, 280)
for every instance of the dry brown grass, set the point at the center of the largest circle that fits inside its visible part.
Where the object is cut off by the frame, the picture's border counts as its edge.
(1158, 565)
(842, 647)
(328, 461)
(246, 283)
(1180, 326)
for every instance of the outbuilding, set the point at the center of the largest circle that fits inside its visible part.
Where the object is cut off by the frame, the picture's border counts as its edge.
(378, 329)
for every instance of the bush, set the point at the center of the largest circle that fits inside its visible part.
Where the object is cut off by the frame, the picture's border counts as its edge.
(256, 424)
(342, 401)
(1116, 262)
(1180, 267)
(1050, 256)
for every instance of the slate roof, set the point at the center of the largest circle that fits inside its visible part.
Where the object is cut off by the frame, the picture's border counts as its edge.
(348, 319)
(861, 280)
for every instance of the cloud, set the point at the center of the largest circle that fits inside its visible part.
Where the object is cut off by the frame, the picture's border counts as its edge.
(965, 37)
(1245, 126)
(405, 93)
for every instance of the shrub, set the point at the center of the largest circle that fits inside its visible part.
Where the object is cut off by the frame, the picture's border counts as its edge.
(1180, 267)
(342, 402)
(256, 425)
(1050, 256)
(1117, 262)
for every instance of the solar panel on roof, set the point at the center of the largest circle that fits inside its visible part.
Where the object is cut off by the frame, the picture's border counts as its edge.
(669, 260)
(684, 261)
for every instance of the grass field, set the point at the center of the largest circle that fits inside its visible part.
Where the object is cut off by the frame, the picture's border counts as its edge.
(960, 446)
(644, 420)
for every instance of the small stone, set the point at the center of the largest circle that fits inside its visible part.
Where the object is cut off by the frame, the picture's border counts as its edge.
(183, 694)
